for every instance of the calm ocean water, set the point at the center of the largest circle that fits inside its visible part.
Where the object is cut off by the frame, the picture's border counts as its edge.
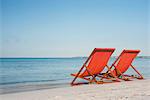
(47, 72)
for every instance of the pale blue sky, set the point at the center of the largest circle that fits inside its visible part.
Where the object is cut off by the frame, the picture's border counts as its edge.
(66, 28)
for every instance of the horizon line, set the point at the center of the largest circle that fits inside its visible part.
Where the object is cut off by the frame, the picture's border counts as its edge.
(65, 57)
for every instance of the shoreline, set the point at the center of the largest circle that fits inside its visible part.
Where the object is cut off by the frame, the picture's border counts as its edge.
(126, 90)
(31, 87)
(27, 87)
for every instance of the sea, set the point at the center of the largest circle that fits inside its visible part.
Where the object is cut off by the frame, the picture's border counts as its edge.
(29, 74)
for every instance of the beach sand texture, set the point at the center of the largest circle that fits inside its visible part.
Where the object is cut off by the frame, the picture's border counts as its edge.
(129, 90)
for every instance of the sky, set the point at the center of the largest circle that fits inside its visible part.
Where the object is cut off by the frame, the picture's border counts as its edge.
(71, 28)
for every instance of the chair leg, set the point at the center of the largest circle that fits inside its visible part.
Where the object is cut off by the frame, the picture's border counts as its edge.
(72, 83)
(141, 77)
(93, 79)
(93, 76)
(77, 75)
(117, 79)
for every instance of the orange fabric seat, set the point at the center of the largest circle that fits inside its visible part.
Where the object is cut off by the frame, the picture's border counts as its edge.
(124, 61)
(94, 65)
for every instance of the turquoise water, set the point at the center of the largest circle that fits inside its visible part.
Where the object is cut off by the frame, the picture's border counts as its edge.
(49, 72)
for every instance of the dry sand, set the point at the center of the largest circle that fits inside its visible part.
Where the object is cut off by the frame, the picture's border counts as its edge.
(129, 90)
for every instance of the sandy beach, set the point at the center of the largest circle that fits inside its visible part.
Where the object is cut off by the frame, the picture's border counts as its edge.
(129, 90)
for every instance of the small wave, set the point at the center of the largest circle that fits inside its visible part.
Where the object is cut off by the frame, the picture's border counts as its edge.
(34, 81)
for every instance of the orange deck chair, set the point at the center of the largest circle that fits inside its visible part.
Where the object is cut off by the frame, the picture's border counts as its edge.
(94, 65)
(123, 62)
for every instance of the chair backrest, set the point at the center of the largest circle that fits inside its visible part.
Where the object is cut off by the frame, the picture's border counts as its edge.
(98, 60)
(124, 61)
